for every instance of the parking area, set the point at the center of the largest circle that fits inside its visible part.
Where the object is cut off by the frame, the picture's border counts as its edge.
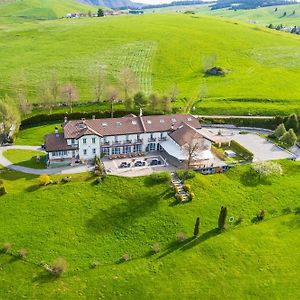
(259, 146)
(138, 166)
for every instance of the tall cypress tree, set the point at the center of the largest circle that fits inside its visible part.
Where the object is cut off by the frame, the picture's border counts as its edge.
(197, 227)
(222, 218)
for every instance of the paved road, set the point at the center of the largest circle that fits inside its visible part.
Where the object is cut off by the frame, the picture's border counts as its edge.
(233, 117)
(51, 171)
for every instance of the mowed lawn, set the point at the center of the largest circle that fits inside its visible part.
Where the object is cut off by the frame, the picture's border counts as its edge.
(163, 50)
(26, 158)
(86, 222)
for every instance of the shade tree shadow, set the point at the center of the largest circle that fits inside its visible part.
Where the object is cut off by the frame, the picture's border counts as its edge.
(250, 178)
(175, 245)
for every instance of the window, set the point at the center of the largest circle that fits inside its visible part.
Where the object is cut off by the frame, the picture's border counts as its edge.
(149, 121)
(162, 121)
(116, 139)
(104, 124)
(138, 137)
(151, 147)
(94, 140)
(84, 141)
(72, 141)
(127, 149)
(173, 120)
(137, 148)
(94, 151)
(105, 151)
(116, 150)
(84, 152)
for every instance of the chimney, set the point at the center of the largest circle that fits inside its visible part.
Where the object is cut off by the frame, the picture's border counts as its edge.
(172, 127)
(65, 119)
(83, 120)
(94, 117)
(56, 131)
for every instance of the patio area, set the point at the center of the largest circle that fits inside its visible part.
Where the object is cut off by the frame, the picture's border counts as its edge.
(142, 165)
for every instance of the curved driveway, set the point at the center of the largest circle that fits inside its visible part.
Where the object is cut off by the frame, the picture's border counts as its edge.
(51, 171)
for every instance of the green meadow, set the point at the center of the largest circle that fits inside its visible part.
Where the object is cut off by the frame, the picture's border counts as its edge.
(84, 223)
(162, 49)
(262, 15)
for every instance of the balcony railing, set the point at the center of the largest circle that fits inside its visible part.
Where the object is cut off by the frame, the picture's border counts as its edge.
(151, 139)
(128, 142)
(106, 143)
(164, 138)
(138, 141)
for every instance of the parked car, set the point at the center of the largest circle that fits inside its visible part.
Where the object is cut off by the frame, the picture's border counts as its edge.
(124, 164)
(139, 163)
(155, 162)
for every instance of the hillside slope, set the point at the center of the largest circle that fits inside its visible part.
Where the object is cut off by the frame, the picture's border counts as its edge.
(41, 9)
(128, 215)
(263, 15)
(113, 3)
(262, 65)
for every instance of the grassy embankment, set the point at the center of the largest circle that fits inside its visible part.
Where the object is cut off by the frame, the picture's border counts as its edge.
(86, 223)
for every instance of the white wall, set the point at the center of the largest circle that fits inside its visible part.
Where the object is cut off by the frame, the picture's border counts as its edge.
(89, 146)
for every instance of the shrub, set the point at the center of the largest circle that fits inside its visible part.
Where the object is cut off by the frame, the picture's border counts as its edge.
(197, 227)
(181, 237)
(176, 189)
(6, 247)
(98, 179)
(158, 178)
(261, 215)
(2, 190)
(240, 220)
(23, 253)
(95, 264)
(222, 218)
(125, 257)
(191, 196)
(187, 187)
(45, 180)
(97, 173)
(184, 174)
(180, 197)
(156, 247)
(280, 130)
(58, 267)
(66, 179)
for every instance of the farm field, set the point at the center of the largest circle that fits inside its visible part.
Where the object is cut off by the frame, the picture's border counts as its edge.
(86, 222)
(162, 50)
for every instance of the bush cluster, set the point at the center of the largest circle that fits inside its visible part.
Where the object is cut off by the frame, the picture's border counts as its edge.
(45, 180)
(2, 188)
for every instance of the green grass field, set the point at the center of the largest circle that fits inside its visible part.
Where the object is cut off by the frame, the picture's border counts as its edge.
(26, 158)
(41, 9)
(262, 15)
(85, 222)
(162, 49)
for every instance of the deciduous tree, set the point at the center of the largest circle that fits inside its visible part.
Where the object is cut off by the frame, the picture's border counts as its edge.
(128, 81)
(140, 100)
(112, 96)
(69, 94)
(280, 131)
(292, 123)
(266, 168)
(99, 79)
(289, 138)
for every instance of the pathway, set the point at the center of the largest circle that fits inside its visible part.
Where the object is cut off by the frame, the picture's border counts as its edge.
(51, 171)
(177, 183)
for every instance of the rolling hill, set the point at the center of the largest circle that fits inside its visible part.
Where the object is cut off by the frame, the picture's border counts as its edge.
(113, 3)
(262, 65)
(41, 9)
(262, 15)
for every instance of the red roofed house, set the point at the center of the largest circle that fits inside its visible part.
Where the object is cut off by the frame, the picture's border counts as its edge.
(85, 139)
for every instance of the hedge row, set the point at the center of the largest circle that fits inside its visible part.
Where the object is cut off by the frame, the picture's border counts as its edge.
(245, 122)
(46, 118)
(242, 151)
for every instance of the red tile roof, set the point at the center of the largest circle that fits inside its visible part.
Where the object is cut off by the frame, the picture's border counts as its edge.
(185, 133)
(56, 142)
(130, 124)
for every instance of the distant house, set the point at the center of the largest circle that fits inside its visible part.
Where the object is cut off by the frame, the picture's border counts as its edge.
(85, 139)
